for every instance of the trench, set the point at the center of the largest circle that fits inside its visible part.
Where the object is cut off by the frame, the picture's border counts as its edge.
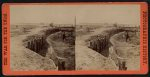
(101, 43)
(42, 44)
(63, 43)
(119, 49)
(37, 42)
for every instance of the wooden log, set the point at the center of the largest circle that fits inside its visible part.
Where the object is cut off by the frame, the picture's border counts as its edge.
(29, 45)
(32, 44)
(98, 47)
(35, 45)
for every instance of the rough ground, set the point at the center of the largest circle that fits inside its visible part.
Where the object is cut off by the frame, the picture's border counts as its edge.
(127, 50)
(63, 51)
(88, 59)
(22, 58)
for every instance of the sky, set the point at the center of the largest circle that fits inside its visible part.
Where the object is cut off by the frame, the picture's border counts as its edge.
(65, 14)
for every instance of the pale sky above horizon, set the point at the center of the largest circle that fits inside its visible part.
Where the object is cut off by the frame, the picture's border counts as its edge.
(65, 14)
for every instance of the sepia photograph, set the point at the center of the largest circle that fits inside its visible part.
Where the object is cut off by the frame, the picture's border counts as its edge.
(108, 37)
(42, 38)
(75, 37)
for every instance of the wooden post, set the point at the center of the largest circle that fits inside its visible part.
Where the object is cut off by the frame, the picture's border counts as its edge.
(32, 44)
(29, 45)
(98, 47)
